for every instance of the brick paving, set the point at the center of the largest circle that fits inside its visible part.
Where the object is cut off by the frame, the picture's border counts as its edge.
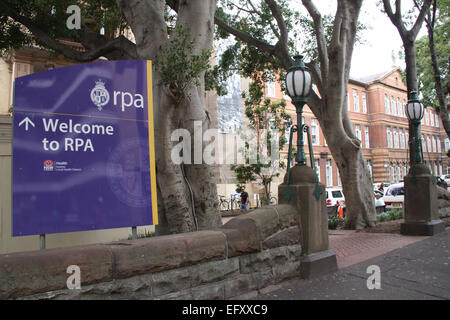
(353, 247)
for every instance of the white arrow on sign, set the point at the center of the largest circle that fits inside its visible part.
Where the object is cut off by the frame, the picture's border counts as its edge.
(27, 122)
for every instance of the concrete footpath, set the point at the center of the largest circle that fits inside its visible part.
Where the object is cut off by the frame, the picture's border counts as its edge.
(410, 268)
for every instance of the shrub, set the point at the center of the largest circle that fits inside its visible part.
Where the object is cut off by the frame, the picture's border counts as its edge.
(390, 215)
(334, 222)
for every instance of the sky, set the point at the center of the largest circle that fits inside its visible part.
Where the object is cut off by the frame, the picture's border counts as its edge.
(381, 39)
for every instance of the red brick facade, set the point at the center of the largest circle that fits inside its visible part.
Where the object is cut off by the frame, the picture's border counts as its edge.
(377, 110)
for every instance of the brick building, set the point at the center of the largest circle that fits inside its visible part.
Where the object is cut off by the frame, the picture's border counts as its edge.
(376, 106)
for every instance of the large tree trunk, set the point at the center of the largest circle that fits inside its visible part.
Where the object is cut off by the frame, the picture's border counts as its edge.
(354, 173)
(187, 195)
(442, 97)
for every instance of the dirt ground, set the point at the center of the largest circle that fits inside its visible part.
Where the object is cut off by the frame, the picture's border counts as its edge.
(385, 227)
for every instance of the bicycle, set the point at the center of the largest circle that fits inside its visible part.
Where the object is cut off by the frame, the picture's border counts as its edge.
(272, 200)
(224, 205)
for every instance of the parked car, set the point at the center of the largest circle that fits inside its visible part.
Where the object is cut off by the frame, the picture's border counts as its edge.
(442, 182)
(394, 196)
(335, 197)
(446, 178)
(379, 202)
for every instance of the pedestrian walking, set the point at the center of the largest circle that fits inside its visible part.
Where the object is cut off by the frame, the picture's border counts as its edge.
(244, 200)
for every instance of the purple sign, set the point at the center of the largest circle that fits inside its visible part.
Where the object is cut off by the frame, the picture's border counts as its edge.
(83, 149)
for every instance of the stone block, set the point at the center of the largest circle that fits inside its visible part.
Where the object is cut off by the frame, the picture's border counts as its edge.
(288, 215)
(414, 228)
(266, 220)
(265, 260)
(28, 273)
(214, 291)
(243, 240)
(318, 264)
(286, 271)
(286, 237)
(193, 276)
(240, 285)
(167, 252)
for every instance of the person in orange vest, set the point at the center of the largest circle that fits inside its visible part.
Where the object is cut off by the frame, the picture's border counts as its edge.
(341, 211)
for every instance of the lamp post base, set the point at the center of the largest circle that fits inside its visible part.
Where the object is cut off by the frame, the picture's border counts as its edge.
(422, 228)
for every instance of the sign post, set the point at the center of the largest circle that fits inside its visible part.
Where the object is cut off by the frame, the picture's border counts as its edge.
(83, 149)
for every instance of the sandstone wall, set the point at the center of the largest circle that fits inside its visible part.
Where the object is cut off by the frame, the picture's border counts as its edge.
(248, 253)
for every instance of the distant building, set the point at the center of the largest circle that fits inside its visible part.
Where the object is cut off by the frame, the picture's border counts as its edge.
(376, 106)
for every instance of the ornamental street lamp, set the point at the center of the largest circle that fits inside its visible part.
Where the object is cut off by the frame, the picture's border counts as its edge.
(298, 86)
(414, 112)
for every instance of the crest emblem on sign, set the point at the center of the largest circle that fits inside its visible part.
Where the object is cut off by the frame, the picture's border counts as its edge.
(99, 95)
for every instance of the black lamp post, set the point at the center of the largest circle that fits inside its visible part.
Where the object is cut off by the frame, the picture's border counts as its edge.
(298, 86)
(414, 112)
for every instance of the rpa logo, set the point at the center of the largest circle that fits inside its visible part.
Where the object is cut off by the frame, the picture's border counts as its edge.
(100, 97)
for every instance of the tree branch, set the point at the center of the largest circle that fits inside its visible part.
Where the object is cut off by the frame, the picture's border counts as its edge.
(280, 21)
(245, 37)
(422, 14)
(101, 45)
(395, 18)
(320, 38)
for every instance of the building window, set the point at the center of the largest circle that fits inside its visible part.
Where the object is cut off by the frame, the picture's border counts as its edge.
(440, 169)
(329, 173)
(406, 139)
(314, 132)
(396, 145)
(389, 137)
(434, 144)
(391, 174)
(424, 145)
(305, 136)
(358, 132)
(386, 104)
(369, 166)
(399, 108)
(399, 173)
(364, 102)
(404, 109)
(427, 119)
(271, 89)
(366, 137)
(435, 169)
(431, 118)
(393, 106)
(339, 182)
(348, 102)
(428, 144)
(438, 142)
(404, 171)
(402, 139)
(355, 100)
(436, 120)
(287, 131)
(446, 144)
(317, 168)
